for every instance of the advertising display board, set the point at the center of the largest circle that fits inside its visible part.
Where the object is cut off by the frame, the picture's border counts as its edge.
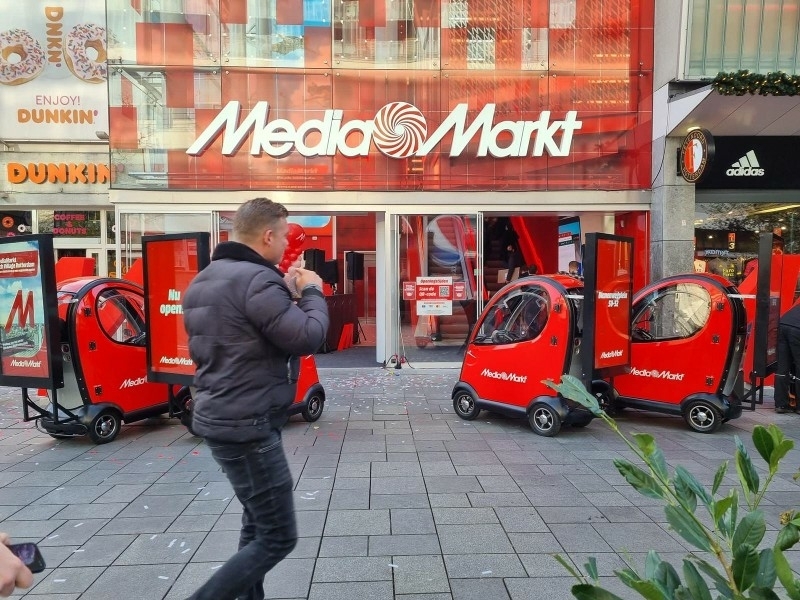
(569, 243)
(608, 291)
(53, 81)
(170, 264)
(30, 353)
(768, 307)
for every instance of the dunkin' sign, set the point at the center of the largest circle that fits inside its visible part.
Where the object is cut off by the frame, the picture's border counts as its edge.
(398, 130)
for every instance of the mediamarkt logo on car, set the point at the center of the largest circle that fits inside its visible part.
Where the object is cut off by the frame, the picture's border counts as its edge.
(611, 354)
(133, 382)
(503, 376)
(656, 374)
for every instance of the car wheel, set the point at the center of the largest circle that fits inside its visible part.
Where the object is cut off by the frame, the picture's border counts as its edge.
(702, 416)
(605, 398)
(465, 406)
(313, 409)
(105, 426)
(544, 420)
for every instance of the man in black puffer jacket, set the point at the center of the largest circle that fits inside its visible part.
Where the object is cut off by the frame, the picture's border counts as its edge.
(243, 330)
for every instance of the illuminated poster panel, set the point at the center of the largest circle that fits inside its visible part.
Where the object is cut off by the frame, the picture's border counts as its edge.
(30, 355)
(170, 263)
(608, 276)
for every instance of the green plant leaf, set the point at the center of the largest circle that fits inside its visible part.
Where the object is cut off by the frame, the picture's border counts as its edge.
(763, 441)
(667, 578)
(687, 528)
(591, 567)
(733, 514)
(685, 495)
(647, 588)
(646, 442)
(785, 575)
(696, 486)
(584, 591)
(760, 593)
(788, 536)
(650, 565)
(744, 466)
(644, 483)
(568, 566)
(683, 593)
(766, 570)
(695, 584)
(719, 476)
(721, 506)
(719, 581)
(745, 566)
(750, 530)
(778, 453)
(573, 388)
(655, 456)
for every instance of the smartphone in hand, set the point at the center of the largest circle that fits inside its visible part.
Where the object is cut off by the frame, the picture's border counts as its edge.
(30, 556)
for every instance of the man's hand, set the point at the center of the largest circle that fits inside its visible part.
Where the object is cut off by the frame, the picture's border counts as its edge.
(13, 574)
(304, 277)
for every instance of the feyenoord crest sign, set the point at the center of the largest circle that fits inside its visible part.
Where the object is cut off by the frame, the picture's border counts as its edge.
(696, 154)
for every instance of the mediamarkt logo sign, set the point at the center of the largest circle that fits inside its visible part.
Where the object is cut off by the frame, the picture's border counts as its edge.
(399, 130)
(503, 376)
(656, 374)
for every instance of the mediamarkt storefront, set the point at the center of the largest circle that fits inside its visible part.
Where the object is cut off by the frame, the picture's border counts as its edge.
(402, 132)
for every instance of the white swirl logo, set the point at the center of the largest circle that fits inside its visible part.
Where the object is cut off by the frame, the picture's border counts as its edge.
(400, 129)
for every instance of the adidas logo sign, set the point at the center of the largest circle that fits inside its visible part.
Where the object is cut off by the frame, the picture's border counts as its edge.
(747, 166)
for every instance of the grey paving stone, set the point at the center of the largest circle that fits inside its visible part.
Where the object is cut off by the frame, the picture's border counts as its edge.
(423, 597)
(397, 485)
(473, 539)
(191, 578)
(67, 580)
(388, 545)
(534, 543)
(217, 546)
(205, 507)
(99, 551)
(456, 516)
(156, 506)
(478, 589)
(307, 547)
(544, 565)
(396, 469)
(359, 568)
(357, 522)
(351, 483)
(399, 501)
(151, 582)
(556, 514)
(24, 495)
(32, 530)
(136, 525)
(47, 478)
(157, 549)
(91, 511)
(349, 499)
(498, 499)
(351, 545)
(540, 588)
(633, 537)
(521, 519)
(411, 520)
(609, 562)
(290, 578)
(483, 565)
(485, 470)
(75, 532)
(186, 523)
(449, 500)
(353, 470)
(442, 484)
(419, 575)
(377, 590)
(554, 496)
(70, 494)
(309, 523)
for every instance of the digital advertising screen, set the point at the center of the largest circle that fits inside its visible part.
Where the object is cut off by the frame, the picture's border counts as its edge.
(608, 293)
(170, 263)
(569, 244)
(30, 353)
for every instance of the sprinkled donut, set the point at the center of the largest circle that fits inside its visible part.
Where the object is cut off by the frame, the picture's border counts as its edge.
(85, 52)
(28, 56)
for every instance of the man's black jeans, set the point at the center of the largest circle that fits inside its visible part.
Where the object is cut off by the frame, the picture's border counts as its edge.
(260, 476)
(788, 362)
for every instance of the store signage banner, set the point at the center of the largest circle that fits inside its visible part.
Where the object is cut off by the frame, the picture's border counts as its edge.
(608, 292)
(170, 263)
(53, 70)
(29, 356)
(754, 163)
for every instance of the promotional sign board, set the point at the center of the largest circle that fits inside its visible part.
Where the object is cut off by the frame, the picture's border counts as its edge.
(53, 80)
(170, 263)
(434, 295)
(30, 353)
(569, 242)
(608, 291)
(768, 307)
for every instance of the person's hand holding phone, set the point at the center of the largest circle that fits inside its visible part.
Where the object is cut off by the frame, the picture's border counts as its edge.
(13, 573)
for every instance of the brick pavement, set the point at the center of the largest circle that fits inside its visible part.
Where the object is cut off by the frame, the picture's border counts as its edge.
(396, 498)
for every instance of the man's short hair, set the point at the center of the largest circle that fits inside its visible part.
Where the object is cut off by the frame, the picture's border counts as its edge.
(256, 216)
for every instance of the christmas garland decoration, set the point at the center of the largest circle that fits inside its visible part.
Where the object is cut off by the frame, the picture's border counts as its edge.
(739, 83)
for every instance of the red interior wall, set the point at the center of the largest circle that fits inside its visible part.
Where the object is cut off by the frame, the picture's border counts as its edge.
(356, 232)
(636, 224)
